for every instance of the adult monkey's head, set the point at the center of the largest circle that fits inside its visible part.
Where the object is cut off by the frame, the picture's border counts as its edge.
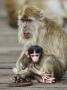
(29, 23)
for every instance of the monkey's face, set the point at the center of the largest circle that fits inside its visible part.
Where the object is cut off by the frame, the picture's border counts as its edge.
(35, 57)
(29, 28)
(30, 25)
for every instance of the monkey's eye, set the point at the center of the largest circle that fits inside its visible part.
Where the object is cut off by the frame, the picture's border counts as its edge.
(32, 55)
(26, 20)
(36, 55)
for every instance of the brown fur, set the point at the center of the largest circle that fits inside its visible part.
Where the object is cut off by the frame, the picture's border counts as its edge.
(13, 6)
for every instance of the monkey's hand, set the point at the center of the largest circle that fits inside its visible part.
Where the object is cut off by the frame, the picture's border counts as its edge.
(47, 78)
(26, 53)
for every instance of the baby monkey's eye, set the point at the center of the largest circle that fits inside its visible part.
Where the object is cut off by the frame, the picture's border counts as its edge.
(37, 55)
(34, 55)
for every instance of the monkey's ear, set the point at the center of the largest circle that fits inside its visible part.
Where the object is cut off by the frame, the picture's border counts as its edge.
(40, 15)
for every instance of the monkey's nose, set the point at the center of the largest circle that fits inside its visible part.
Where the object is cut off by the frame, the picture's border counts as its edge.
(27, 35)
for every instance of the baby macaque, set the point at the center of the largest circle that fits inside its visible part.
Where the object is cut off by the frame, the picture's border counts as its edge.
(34, 55)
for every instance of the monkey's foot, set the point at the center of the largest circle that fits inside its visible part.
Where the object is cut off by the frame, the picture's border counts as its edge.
(20, 82)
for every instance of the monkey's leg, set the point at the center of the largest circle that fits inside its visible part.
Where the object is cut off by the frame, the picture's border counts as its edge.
(22, 60)
(21, 69)
(21, 78)
(51, 65)
(21, 74)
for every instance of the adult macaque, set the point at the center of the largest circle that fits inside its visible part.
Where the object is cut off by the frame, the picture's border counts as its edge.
(36, 29)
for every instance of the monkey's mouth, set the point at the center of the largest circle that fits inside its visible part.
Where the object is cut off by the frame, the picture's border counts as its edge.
(27, 35)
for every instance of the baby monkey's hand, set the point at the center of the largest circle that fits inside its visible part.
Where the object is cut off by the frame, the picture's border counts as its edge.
(47, 78)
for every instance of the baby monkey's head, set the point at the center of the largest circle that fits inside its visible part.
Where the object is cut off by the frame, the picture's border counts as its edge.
(35, 53)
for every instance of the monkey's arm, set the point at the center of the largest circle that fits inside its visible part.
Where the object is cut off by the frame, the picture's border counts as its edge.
(34, 70)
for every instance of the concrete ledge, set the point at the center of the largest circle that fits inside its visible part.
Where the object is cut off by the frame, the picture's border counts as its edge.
(7, 65)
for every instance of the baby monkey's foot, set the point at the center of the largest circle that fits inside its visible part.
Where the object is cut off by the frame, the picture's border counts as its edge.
(18, 79)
